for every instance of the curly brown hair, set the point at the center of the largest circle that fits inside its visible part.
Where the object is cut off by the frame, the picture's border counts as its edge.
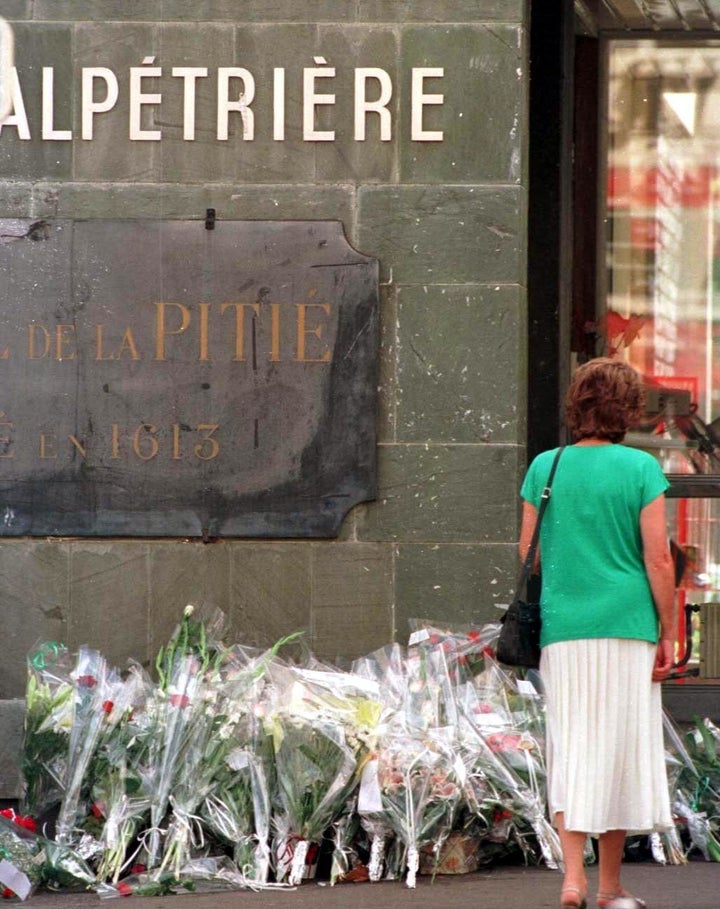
(604, 399)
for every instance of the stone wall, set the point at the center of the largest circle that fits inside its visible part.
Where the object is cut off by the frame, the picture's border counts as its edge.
(447, 220)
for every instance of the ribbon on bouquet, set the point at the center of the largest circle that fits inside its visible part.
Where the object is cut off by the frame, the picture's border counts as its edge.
(297, 853)
(377, 858)
(413, 863)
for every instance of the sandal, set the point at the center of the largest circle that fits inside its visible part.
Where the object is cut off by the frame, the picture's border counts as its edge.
(620, 900)
(579, 903)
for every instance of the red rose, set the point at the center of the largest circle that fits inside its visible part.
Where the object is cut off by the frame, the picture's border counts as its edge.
(501, 814)
(22, 821)
(108, 706)
(124, 889)
(86, 681)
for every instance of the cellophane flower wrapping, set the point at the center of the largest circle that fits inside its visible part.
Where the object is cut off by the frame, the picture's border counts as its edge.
(415, 788)
(235, 765)
(29, 860)
(465, 647)
(695, 784)
(119, 807)
(169, 742)
(91, 704)
(502, 743)
(176, 717)
(198, 875)
(345, 839)
(48, 718)
(237, 811)
(429, 701)
(226, 783)
(386, 669)
(315, 770)
(319, 721)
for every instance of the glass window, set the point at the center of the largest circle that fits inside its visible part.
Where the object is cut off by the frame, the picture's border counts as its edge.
(660, 304)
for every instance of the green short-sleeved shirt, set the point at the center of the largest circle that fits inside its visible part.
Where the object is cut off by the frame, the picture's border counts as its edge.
(594, 583)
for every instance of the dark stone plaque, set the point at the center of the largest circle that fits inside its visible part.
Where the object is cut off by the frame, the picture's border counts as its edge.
(165, 379)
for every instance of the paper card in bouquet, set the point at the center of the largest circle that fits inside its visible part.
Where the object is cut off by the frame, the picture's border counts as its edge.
(14, 879)
(370, 796)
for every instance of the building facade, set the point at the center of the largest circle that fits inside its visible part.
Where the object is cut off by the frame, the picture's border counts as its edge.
(116, 117)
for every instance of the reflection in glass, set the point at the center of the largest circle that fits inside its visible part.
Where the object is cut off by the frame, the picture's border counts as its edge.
(660, 309)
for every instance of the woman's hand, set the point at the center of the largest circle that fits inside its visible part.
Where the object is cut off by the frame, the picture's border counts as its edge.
(664, 658)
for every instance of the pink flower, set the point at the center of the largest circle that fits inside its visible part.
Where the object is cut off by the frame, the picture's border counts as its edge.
(501, 741)
(392, 779)
(445, 790)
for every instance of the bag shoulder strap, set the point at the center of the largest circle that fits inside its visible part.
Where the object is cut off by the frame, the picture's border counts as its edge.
(544, 499)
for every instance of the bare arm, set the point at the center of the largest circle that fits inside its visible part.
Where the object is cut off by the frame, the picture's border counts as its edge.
(661, 576)
(529, 519)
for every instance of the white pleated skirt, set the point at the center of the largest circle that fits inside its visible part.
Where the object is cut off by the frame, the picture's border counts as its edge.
(605, 747)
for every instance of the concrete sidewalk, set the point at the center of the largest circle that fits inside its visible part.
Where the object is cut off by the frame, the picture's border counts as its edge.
(692, 886)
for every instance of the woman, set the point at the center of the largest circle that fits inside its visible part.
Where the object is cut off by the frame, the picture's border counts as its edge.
(607, 639)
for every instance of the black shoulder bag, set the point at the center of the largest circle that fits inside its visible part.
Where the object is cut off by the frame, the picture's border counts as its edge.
(519, 641)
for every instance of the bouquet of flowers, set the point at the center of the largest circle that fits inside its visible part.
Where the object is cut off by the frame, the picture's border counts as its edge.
(238, 811)
(194, 649)
(315, 772)
(90, 706)
(48, 717)
(169, 737)
(118, 805)
(315, 760)
(386, 669)
(466, 647)
(418, 784)
(237, 805)
(219, 769)
(429, 701)
(505, 775)
(376, 824)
